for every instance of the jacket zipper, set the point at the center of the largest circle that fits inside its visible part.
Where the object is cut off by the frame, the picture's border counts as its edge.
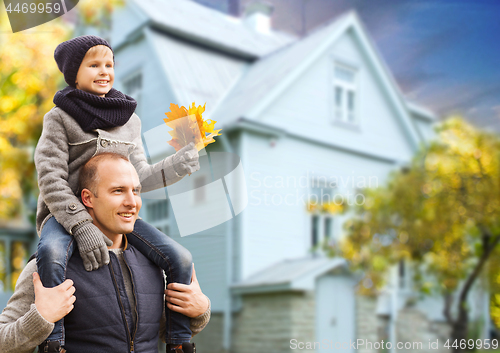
(135, 304)
(131, 342)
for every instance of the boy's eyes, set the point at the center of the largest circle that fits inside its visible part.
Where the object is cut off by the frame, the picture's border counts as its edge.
(95, 65)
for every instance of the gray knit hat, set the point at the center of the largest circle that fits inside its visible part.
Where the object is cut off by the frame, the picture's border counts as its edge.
(69, 55)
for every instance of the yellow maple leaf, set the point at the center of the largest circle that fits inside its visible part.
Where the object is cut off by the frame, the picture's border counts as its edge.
(188, 126)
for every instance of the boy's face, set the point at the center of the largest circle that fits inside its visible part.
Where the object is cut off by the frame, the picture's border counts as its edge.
(96, 74)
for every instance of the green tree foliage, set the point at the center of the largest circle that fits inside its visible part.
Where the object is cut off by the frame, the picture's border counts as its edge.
(441, 213)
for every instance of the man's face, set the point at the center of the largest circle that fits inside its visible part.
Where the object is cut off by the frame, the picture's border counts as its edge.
(118, 201)
(96, 74)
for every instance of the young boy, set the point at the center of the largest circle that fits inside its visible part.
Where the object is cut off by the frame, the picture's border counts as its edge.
(91, 117)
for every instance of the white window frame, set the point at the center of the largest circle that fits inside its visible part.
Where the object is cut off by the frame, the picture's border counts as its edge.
(341, 113)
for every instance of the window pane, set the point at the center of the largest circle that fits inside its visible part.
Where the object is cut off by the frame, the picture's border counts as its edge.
(328, 227)
(338, 97)
(19, 257)
(338, 102)
(315, 228)
(3, 273)
(157, 210)
(344, 74)
(351, 105)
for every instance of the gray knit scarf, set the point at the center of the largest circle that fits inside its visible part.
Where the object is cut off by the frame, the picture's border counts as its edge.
(94, 112)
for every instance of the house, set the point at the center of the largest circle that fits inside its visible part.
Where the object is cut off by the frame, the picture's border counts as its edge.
(315, 117)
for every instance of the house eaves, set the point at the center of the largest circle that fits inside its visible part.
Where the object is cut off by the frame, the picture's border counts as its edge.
(289, 275)
(421, 112)
(277, 132)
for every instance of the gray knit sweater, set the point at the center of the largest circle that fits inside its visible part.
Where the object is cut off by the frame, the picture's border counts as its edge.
(22, 328)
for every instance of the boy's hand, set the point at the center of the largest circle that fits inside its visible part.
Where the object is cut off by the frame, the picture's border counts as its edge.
(186, 160)
(93, 246)
(188, 300)
(53, 303)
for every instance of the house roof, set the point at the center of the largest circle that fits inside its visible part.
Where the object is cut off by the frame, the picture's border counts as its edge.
(197, 75)
(295, 274)
(266, 74)
(197, 23)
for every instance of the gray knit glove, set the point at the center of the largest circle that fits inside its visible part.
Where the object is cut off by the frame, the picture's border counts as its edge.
(93, 246)
(185, 160)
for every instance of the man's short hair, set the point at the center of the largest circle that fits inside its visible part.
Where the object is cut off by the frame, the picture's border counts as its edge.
(89, 177)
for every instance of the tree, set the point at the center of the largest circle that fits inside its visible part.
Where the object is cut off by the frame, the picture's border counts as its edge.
(441, 213)
(29, 78)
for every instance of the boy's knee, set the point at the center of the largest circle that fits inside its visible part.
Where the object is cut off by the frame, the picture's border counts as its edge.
(185, 259)
(51, 253)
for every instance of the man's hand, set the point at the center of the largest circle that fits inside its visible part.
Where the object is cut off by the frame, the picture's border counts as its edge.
(53, 303)
(188, 300)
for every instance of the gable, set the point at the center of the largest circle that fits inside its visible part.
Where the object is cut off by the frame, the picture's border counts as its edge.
(307, 107)
(271, 78)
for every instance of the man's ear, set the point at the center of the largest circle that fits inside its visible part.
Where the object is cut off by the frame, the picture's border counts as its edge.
(87, 198)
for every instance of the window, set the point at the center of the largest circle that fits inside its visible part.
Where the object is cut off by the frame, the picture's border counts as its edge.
(315, 230)
(133, 87)
(345, 100)
(15, 250)
(158, 215)
(157, 210)
(322, 192)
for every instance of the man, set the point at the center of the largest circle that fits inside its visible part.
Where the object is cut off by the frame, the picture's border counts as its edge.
(117, 308)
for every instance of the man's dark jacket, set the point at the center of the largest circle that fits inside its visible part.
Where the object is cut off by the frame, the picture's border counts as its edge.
(101, 320)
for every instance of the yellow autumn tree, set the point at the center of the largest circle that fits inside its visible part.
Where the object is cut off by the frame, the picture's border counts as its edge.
(29, 78)
(441, 214)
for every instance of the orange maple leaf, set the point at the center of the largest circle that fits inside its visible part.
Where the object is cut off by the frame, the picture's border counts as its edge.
(188, 126)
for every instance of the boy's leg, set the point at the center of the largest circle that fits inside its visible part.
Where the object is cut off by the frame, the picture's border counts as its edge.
(54, 250)
(177, 263)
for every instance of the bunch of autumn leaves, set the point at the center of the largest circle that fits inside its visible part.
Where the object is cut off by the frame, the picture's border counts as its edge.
(189, 126)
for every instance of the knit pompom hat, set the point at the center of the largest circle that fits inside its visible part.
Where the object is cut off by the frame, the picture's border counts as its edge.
(69, 55)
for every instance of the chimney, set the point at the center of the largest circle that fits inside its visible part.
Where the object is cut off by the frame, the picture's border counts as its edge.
(234, 8)
(257, 16)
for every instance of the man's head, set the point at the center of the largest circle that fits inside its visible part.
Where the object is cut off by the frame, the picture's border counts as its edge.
(110, 189)
(87, 63)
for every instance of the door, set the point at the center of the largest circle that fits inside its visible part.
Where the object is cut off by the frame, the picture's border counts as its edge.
(335, 312)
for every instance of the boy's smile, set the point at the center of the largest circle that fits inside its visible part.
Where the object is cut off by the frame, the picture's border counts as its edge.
(96, 74)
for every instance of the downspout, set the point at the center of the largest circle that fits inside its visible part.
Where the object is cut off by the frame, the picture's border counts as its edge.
(226, 333)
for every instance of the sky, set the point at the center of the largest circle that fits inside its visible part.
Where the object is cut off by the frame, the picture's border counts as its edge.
(444, 55)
